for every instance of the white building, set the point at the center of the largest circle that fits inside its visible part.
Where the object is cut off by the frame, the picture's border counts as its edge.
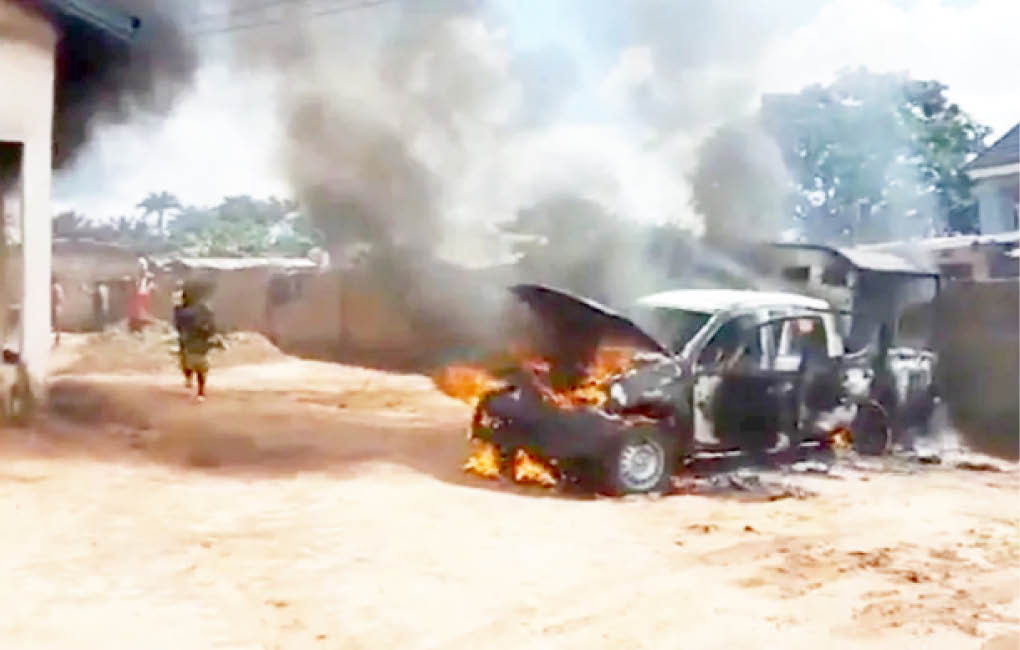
(996, 176)
(30, 35)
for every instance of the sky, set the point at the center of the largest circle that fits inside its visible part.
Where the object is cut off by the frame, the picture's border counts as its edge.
(625, 98)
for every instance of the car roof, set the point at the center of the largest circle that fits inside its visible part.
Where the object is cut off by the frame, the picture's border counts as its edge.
(715, 300)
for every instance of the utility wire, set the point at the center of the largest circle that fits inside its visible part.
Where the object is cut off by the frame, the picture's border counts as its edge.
(354, 6)
(243, 10)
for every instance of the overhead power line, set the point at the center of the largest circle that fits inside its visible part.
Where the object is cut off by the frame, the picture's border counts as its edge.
(247, 9)
(319, 13)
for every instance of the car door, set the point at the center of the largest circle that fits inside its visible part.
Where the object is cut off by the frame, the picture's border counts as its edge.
(712, 367)
(752, 402)
(805, 374)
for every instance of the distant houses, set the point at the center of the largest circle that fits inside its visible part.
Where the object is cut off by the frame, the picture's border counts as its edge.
(996, 176)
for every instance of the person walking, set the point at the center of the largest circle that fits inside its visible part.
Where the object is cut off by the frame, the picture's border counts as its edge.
(196, 331)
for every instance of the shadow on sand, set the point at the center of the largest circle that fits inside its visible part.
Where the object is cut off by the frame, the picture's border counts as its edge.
(268, 433)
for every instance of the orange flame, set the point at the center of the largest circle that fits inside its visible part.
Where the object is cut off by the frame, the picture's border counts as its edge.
(471, 383)
(529, 469)
(609, 362)
(484, 461)
(842, 439)
(466, 383)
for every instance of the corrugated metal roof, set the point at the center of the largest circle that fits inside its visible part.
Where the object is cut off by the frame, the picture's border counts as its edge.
(236, 263)
(935, 244)
(872, 260)
(869, 259)
(1005, 151)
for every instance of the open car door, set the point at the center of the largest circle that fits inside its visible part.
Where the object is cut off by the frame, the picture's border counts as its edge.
(779, 370)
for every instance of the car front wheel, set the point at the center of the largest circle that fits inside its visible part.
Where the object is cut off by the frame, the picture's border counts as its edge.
(640, 462)
(870, 430)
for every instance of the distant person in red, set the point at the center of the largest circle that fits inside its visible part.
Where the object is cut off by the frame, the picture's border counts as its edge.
(139, 308)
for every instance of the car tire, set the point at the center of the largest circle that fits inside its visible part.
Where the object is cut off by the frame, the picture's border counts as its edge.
(870, 429)
(641, 461)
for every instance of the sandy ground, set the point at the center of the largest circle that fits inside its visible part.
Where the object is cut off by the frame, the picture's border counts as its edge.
(312, 505)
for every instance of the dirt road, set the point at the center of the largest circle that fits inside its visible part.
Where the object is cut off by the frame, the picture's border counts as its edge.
(310, 505)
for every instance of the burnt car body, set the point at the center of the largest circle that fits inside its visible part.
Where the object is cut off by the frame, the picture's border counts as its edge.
(723, 371)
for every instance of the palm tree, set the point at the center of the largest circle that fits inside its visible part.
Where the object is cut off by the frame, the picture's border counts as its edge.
(159, 204)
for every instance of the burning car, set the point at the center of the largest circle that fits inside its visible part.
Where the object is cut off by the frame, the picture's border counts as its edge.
(619, 405)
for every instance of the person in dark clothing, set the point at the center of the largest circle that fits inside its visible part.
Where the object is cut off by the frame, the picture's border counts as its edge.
(196, 331)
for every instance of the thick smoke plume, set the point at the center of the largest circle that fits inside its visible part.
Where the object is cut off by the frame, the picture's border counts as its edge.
(103, 80)
(418, 126)
(439, 130)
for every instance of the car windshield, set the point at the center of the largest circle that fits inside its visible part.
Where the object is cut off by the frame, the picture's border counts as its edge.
(673, 327)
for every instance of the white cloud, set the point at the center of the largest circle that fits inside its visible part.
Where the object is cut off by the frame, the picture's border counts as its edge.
(972, 48)
(634, 69)
(218, 141)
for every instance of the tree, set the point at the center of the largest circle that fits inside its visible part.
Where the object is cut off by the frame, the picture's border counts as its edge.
(871, 156)
(69, 224)
(159, 204)
(243, 225)
(238, 226)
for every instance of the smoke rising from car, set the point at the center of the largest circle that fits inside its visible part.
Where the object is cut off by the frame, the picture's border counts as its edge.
(443, 128)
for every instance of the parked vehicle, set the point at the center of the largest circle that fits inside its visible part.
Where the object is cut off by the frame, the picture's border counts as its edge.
(714, 371)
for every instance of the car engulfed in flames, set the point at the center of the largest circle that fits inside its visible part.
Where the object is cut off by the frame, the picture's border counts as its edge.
(598, 403)
(551, 418)
(526, 464)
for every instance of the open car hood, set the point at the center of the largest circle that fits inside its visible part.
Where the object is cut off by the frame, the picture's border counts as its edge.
(578, 326)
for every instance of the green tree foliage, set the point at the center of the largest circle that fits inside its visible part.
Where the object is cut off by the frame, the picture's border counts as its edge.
(242, 225)
(160, 205)
(871, 156)
(238, 226)
(69, 224)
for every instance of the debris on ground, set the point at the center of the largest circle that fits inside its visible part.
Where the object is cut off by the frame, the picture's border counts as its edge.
(977, 466)
(810, 467)
(742, 484)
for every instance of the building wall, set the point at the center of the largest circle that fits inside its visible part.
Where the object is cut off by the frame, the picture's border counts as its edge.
(360, 317)
(978, 262)
(27, 46)
(978, 344)
(997, 203)
(76, 266)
